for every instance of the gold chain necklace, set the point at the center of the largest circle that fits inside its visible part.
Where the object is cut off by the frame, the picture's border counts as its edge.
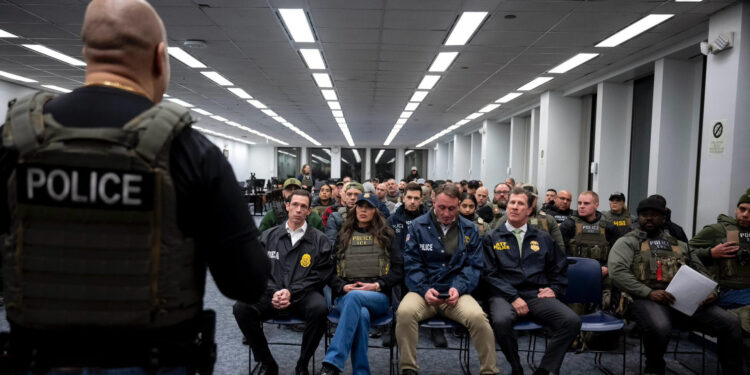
(119, 86)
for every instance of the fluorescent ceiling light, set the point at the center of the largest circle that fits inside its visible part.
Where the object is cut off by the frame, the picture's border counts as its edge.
(391, 161)
(634, 30)
(337, 113)
(297, 24)
(418, 96)
(184, 57)
(340, 120)
(411, 106)
(442, 61)
(380, 153)
(508, 97)
(474, 115)
(218, 78)
(329, 94)
(535, 83)
(406, 114)
(181, 102)
(573, 62)
(222, 135)
(202, 111)
(428, 82)
(313, 58)
(489, 108)
(57, 88)
(54, 54)
(465, 27)
(401, 121)
(688, 1)
(242, 94)
(269, 113)
(5, 34)
(462, 122)
(257, 104)
(334, 105)
(356, 156)
(280, 119)
(322, 80)
(408, 152)
(219, 118)
(16, 77)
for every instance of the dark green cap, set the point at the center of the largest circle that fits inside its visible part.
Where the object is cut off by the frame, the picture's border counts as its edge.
(745, 198)
(292, 181)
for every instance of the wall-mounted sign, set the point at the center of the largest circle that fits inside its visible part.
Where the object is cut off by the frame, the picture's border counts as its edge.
(716, 143)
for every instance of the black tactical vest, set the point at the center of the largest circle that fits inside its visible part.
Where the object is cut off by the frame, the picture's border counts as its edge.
(94, 240)
(590, 240)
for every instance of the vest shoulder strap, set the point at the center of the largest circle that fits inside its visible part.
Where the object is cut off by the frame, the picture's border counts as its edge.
(157, 126)
(24, 123)
(579, 227)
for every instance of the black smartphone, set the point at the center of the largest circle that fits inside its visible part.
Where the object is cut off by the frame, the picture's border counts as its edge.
(443, 295)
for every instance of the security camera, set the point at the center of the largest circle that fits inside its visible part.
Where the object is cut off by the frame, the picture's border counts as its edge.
(705, 48)
(722, 42)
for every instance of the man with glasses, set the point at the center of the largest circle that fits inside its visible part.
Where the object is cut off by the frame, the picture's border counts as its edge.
(499, 202)
(561, 210)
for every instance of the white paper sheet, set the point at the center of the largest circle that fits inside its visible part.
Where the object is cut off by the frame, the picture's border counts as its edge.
(689, 288)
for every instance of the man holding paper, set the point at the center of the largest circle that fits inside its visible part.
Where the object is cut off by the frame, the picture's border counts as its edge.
(641, 264)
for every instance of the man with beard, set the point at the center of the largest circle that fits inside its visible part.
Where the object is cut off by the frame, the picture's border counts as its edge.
(724, 247)
(549, 199)
(392, 194)
(642, 263)
(499, 201)
(380, 191)
(561, 210)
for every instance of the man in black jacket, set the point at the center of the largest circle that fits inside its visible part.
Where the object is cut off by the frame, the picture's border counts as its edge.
(301, 264)
(526, 273)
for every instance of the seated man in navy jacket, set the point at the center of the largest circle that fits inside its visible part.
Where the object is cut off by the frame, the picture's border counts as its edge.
(442, 264)
(526, 273)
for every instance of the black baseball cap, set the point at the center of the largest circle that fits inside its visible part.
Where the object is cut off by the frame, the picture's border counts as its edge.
(651, 203)
(617, 196)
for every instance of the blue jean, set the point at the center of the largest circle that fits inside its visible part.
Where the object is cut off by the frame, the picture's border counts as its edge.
(352, 333)
(117, 371)
(734, 298)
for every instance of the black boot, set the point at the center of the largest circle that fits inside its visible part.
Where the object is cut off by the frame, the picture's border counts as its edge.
(438, 338)
(329, 369)
(269, 368)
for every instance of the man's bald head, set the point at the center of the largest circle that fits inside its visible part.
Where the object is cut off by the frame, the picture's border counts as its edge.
(126, 38)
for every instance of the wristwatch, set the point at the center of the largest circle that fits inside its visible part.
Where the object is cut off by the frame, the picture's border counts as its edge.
(378, 288)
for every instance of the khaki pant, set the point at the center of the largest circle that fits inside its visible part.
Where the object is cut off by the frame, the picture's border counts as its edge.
(414, 308)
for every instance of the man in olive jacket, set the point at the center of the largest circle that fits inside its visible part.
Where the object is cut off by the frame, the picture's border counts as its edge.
(641, 264)
(301, 264)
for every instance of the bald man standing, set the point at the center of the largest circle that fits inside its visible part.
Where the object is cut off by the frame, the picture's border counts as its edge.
(114, 207)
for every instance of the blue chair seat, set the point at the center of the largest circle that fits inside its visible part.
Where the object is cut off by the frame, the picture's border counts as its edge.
(527, 325)
(600, 322)
(438, 323)
(382, 320)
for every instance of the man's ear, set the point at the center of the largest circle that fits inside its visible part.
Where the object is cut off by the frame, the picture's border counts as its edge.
(160, 60)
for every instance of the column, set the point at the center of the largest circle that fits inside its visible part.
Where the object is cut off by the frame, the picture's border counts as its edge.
(614, 108)
(495, 152)
(724, 159)
(519, 148)
(461, 157)
(674, 136)
(368, 163)
(476, 156)
(335, 162)
(533, 158)
(560, 127)
(441, 165)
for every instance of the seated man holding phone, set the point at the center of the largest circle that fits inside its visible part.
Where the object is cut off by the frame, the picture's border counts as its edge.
(442, 264)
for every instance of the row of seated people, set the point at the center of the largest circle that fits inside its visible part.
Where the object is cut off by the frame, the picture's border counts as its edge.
(441, 258)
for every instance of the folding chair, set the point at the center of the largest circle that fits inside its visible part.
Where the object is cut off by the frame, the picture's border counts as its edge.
(380, 321)
(281, 322)
(677, 333)
(530, 327)
(463, 346)
(585, 286)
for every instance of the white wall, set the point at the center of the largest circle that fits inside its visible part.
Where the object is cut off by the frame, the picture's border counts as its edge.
(533, 157)
(674, 136)
(441, 162)
(724, 176)
(259, 159)
(519, 132)
(614, 109)
(560, 142)
(461, 157)
(495, 152)
(476, 156)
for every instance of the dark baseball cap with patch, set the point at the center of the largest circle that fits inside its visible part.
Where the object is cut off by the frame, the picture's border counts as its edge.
(369, 198)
